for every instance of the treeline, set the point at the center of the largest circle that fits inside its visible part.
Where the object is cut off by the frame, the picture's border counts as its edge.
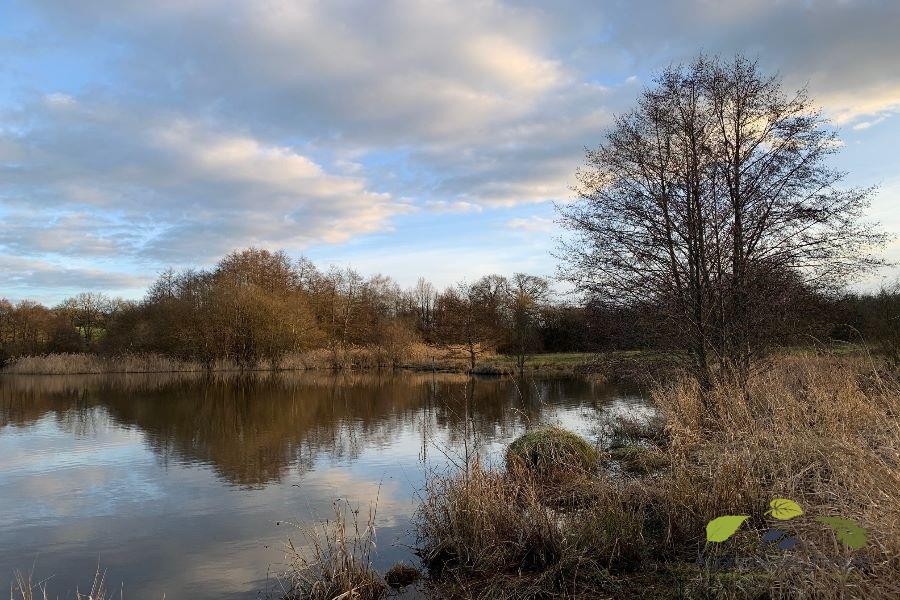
(257, 306)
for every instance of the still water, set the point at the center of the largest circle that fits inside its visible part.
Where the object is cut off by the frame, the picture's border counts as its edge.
(179, 486)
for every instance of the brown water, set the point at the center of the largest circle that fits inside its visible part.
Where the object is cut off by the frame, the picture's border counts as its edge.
(179, 485)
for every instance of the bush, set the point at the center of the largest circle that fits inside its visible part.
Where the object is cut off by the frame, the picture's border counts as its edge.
(338, 563)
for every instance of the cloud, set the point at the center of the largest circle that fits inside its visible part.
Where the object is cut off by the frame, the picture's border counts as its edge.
(843, 50)
(532, 224)
(445, 207)
(397, 71)
(23, 274)
(866, 124)
(172, 131)
(93, 179)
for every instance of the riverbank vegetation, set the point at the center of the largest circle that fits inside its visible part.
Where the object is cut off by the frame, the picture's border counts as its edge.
(261, 309)
(823, 431)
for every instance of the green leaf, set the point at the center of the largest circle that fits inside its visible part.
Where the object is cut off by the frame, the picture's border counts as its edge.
(722, 528)
(846, 530)
(784, 509)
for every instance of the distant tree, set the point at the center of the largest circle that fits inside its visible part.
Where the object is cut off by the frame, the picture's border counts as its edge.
(30, 328)
(338, 305)
(424, 297)
(711, 201)
(87, 312)
(473, 314)
(526, 296)
(875, 317)
(258, 306)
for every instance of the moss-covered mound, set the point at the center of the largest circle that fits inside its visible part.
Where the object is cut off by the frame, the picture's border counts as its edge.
(549, 450)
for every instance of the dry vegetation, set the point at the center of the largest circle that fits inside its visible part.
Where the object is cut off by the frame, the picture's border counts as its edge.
(334, 560)
(81, 363)
(417, 356)
(823, 431)
(23, 587)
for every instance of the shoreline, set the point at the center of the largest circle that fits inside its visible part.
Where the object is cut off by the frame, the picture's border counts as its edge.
(496, 365)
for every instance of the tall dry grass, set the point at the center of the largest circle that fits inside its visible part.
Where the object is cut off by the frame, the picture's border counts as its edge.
(416, 356)
(334, 560)
(821, 430)
(23, 587)
(494, 534)
(82, 364)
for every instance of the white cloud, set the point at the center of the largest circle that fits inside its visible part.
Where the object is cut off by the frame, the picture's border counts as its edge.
(460, 207)
(184, 190)
(23, 274)
(867, 124)
(533, 224)
(59, 100)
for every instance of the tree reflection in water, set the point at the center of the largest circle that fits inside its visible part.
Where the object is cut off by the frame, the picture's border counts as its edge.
(252, 429)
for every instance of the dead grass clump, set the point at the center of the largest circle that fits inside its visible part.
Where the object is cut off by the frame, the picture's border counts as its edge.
(821, 430)
(622, 431)
(56, 364)
(491, 534)
(81, 364)
(639, 460)
(336, 560)
(401, 575)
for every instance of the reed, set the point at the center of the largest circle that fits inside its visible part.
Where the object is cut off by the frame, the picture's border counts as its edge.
(24, 587)
(417, 356)
(334, 560)
(80, 364)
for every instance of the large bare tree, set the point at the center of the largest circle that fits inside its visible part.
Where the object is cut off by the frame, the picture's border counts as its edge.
(713, 199)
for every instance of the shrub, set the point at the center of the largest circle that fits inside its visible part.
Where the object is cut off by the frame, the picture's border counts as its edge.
(490, 534)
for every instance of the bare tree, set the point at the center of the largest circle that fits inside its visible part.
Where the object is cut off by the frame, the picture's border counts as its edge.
(424, 296)
(87, 312)
(712, 199)
(471, 314)
(526, 297)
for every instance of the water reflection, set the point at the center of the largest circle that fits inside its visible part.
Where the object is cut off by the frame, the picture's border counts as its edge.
(178, 480)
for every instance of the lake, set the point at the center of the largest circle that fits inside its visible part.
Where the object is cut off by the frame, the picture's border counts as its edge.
(184, 485)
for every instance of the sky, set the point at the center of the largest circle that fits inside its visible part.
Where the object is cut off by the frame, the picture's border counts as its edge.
(396, 137)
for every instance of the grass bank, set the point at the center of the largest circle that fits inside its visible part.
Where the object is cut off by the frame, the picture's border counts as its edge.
(823, 431)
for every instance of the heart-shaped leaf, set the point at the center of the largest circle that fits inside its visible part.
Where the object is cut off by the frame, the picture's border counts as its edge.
(846, 531)
(784, 509)
(722, 528)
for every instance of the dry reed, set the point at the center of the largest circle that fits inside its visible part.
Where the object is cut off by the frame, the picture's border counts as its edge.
(24, 587)
(335, 560)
